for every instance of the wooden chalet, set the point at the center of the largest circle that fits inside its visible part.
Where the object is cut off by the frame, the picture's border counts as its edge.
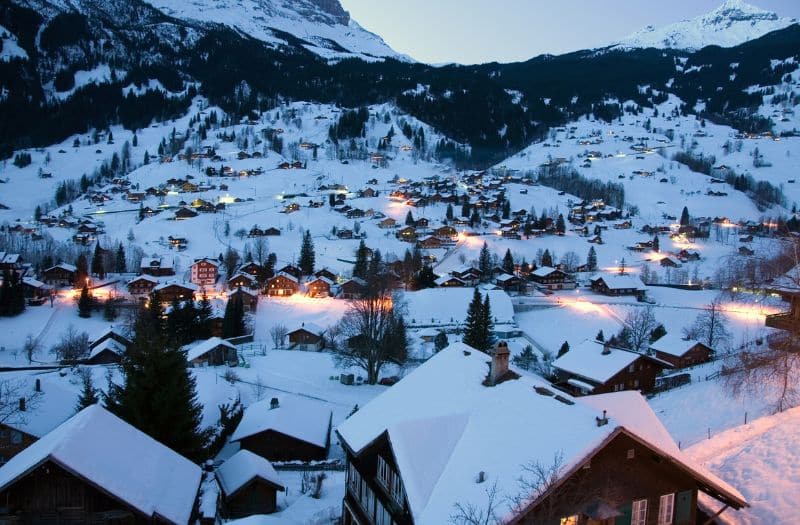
(431, 243)
(597, 368)
(169, 292)
(471, 276)
(108, 347)
(307, 336)
(352, 288)
(60, 275)
(242, 280)
(249, 485)
(96, 468)
(156, 266)
(282, 284)
(286, 429)
(509, 282)
(326, 273)
(552, 279)
(252, 269)
(619, 284)
(142, 286)
(292, 270)
(414, 454)
(680, 352)
(387, 223)
(319, 287)
(184, 213)
(248, 296)
(211, 352)
(450, 281)
(407, 234)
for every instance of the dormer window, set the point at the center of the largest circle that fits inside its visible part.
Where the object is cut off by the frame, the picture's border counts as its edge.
(390, 481)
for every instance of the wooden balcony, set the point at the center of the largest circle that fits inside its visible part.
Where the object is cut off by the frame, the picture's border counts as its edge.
(783, 321)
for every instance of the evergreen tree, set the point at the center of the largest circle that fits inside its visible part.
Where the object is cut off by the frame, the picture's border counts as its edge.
(159, 393)
(425, 278)
(448, 213)
(233, 322)
(656, 244)
(465, 209)
(487, 324)
(547, 259)
(119, 260)
(409, 219)
(81, 270)
(508, 262)
(561, 227)
(12, 294)
(360, 266)
(375, 268)
(474, 219)
(685, 219)
(307, 256)
(591, 260)
(657, 333)
(37, 214)
(440, 342)
(564, 349)
(485, 262)
(600, 336)
(203, 320)
(525, 359)
(98, 268)
(88, 395)
(109, 310)
(85, 303)
(506, 210)
(472, 324)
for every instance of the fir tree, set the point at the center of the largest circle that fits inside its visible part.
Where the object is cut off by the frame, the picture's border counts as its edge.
(98, 268)
(487, 324)
(81, 270)
(440, 342)
(485, 262)
(465, 209)
(203, 320)
(425, 278)
(472, 324)
(233, 322)
(119, 260)
(657, 333)
(561, 227)
(564, 349)
(525, 359)
(448, 213)
(656, 244)
(506, 210)
(307, 256)
(547, 259)
(591, 260)
(600, 336)
(360, 266)
(409, 218)
(109, 310)
(85, 303)
(685, 219)
(89, 393)
(508, 262)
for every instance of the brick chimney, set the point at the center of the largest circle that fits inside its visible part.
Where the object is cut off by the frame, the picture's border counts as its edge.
(499, 366)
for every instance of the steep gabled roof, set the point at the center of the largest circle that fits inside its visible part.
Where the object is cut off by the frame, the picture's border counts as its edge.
(303, 419)
(587, 360)
(674, 345)
(197, 349)
(243, 467)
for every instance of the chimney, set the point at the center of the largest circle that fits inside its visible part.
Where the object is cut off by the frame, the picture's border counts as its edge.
(38, 385)
(606, 348)
(499, 366)
(602, 420)
(22, 404)
(274, 403)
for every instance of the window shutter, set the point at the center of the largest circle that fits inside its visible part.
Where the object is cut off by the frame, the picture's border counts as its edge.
(683, 507)
(625, 515)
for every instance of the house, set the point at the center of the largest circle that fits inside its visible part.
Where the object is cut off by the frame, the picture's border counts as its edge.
(552, 279)
(414, 454)
(60, 275)
(156, 266)
(211, 352)
(449, 281)
(320, 287)
(79, 474)
(745, 251)
(471, 276)
(387, 223)
(108, 347)
(307, 336)
(618, 284)
(407, 234)
(292, 270)
(430, 243)
(249, 298)
(680, 352)
(286, 429)
(168, 292)
(328, 274)
(669, 262)
(249, 486)
(184, 213)
(283, 284)
(352, 288)
(595, 367)
(252, 268)
(36, 291)
(242, 280)
(142, 285)
(42, 405)
(204, 272)
(509, 282)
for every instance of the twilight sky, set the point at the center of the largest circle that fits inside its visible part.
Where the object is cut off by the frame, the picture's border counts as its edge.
(474, 31)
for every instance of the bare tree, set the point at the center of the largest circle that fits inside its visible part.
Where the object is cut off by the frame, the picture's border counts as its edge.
(571, 261)
(17, 399)
(475, 514)
(72, 345)
(278, 334)
(31, 347)
(640, 323)
(710, 327)
(259, 387)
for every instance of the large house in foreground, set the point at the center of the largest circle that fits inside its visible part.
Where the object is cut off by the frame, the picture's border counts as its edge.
(463, 426)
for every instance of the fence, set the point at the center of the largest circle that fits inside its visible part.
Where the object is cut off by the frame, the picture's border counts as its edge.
(313, 466)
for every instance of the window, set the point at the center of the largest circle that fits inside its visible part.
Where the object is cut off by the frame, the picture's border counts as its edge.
(631, 453)
(570, 520)
(639, 514)
(390, 481)
(632, 368)
(666, 509)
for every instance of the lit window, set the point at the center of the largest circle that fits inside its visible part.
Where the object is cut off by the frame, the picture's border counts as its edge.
(666, 509)
(639, 514)
(570, 520)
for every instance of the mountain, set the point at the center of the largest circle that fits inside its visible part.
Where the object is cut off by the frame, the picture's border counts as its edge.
(731, 24)
(325, 27)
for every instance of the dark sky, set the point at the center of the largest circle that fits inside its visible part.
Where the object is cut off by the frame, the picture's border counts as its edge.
(474, 31)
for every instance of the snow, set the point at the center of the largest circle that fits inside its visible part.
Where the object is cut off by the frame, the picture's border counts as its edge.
(732, 23)
(761, 459)
(448, 306)
(304, 419)
(621, 282)
(588, 361)
(445, 471)
(48, 409)
(241, 468)
(198, 348)
(10, 48)
(101, 448)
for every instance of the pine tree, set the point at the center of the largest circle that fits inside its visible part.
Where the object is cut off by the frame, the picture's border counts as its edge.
(561, 227)
(656, 244)
(409, 219)
(591, 260)
(508, 262)
(233, 322)
(525, 359)
(506, 210)
(564, 349)
(203, 320)
(685, 219)
(360, 266)
(465, 209)
(425, 278)
(119, 261)
(159, 393)
(109, 311)
(448, 213)
(85, 303)
(98, 268)
(440, 342)
(472, 335)
(600, 336)
(487, 325)
(547, 259)
(307, 256)
(88, 395)
(81, 270)
(485, 262)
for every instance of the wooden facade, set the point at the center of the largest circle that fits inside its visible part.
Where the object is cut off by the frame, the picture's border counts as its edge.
(282, 285)
(12, 442)
(698, 353)
(257, 497)
(276, 446)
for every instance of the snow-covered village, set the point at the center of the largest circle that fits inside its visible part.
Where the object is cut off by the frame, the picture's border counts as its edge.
(262, 266)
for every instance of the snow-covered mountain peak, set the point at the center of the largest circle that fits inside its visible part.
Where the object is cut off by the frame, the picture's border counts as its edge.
(732, 23)
(324, 24)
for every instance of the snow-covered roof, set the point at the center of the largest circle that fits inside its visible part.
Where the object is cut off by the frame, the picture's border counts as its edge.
(34, 283)
(673, 344)
(128, 464)
(64, 266)
(448, 306)
(197, 349)
(543, 271)
(287, 276)
(445, 278)
(243, 467)
(149, 278)
(107, 344)
(53, 405)
(587, 360)
(311, 328)
(441, 442)
(188, 286)
(503, 277)
(616, 281)
(303, 419)
(788, 282)
(248, 291)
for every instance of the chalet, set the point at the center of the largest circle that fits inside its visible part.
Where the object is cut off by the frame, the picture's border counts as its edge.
(430, 243)
(60, 275)
(407, 234)
(414, 454)
(595, 367)
(77, 474)
(745, 251)
(211, 352)
(449, 281)
(352, 288)
(11, 262)
(686, 256)
(446, 232)
(178, 242)
(249, 486)
(618, 284)
(204, 272)
(344, 234)
(184, 213)
(509, 282)
(422, 223)
(108, 347)
(669, 262)
(242, 280)
(249, 298)
(552, 279)
(271, 232)
(252, 269)
(320, 287)
(307, 336)
(286, 429)
(283, 284)
(156, 266)
(471, 276)
(326, 273)
(680, 352)
(387, 223)
(292, 270)
(142, 286)
(169, 292)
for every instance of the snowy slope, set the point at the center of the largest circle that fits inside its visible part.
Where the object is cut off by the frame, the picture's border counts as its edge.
(734, 22)
(328, 28)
